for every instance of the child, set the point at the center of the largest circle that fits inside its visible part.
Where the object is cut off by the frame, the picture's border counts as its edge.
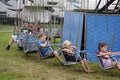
(71, 51)
(102, 47)
(42, 44)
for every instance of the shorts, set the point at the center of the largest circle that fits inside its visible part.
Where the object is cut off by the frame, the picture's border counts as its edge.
(49, 54)
(14, 37)
(108, 63)
(73, 58)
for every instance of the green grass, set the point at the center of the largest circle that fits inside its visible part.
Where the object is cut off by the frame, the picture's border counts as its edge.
(6, 27)
(14, 65)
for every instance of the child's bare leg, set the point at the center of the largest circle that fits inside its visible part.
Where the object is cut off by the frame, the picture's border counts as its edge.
(118, 65)
(37, 56)
(11, 41)
(86, 65)
(83, 66)
(9, 44)
(57, 56)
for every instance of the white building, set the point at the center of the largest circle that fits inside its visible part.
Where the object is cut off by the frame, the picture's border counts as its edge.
(39, 9)
(42, 8)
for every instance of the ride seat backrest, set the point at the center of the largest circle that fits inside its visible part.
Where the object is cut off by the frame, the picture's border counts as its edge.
(64, 53)
(99, 58)
(42, 53)
(30, 38)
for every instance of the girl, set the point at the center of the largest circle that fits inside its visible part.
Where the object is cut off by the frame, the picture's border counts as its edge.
(102, 47)
(71, 51)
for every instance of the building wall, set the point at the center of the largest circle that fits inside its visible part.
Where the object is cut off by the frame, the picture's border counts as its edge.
(37, 10)
(14, 3)
(40, 2)
(42, 15)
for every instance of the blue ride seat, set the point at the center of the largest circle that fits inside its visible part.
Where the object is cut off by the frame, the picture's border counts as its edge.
(20, 39)
(42, 53)
(29, 44)
(49, 49)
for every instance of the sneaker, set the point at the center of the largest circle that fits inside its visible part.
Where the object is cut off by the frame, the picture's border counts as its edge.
(7, 48)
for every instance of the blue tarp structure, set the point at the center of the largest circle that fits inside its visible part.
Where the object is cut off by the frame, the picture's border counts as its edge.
(102, 28)
(98, 28)
(72, 28)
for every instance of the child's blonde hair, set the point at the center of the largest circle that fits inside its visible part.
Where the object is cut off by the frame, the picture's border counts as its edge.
(66, 44)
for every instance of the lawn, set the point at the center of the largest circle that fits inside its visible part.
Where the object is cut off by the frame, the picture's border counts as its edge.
(15, 65)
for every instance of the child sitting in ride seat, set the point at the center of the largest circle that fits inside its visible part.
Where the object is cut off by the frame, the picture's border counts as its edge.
(26, 29)
(42, 45)
(72, 54)
(107, 62)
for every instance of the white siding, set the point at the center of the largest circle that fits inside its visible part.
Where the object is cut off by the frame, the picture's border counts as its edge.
(42, 15)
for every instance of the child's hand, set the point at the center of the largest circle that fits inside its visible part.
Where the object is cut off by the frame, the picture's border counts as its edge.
(46, 43)
(109, 52)
(69, 51)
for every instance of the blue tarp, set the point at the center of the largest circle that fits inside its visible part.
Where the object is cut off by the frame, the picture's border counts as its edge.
(102, 28)
(99, 28)
(72, 28)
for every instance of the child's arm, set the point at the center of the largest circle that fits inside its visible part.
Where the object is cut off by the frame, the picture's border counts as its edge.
(44, 45)
(73, 48)
(117, 53)
(104, 54)
(68, 51)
